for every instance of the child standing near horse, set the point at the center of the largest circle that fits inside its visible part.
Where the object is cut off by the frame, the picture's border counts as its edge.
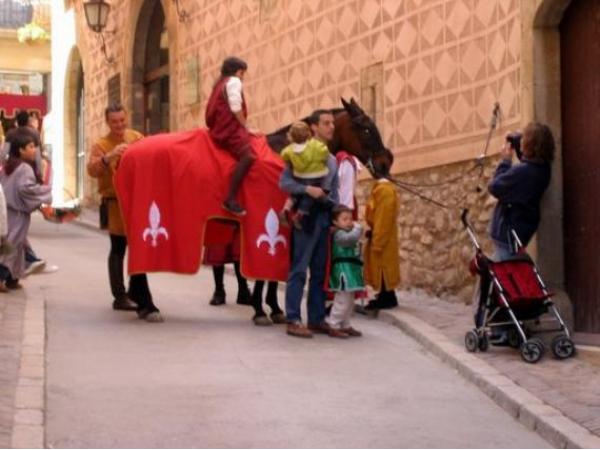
(345, 277)
(307, 158)
(226, 115)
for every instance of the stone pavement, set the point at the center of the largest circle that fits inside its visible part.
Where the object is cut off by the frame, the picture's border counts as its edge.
(12, 312)
(208, 377)
(22, 369)
(570, 386)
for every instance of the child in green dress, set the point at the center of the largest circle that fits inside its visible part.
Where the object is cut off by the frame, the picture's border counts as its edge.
(346, 274)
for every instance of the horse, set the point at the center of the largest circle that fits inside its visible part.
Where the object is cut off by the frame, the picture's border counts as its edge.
(355, 133)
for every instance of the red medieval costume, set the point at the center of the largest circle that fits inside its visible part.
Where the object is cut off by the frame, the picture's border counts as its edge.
(224, 127)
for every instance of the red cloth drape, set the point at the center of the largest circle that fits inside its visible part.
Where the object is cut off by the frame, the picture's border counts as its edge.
(170, 185)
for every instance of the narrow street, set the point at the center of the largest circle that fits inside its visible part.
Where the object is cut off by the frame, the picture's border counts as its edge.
(208, 377)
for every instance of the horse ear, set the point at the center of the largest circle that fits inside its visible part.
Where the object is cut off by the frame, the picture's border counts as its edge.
(351, 108)
(356, 105)
(346, 105)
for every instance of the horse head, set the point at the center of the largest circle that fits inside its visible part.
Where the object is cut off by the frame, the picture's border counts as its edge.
(356, 133)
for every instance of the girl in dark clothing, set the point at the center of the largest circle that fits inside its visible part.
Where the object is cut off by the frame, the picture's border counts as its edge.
(519, 189)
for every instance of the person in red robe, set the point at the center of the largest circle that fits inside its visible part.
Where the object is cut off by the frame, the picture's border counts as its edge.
(226, 115)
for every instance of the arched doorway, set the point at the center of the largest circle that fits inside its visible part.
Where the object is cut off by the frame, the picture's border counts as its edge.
(150, 84)
(580, 92)
(74, 135)
(80, 136)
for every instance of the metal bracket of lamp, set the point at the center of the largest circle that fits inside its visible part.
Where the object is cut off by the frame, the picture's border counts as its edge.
(96, 16)
(181, 13)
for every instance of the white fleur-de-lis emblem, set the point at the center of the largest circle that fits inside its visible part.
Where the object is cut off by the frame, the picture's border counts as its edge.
(154, 230)
(272, 236)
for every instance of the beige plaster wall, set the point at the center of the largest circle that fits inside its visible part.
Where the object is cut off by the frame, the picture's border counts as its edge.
(445, 63)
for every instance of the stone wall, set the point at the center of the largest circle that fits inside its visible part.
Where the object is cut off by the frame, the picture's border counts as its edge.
(434, 247)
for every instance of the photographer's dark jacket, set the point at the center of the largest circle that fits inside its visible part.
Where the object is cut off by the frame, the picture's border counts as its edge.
(519, 190)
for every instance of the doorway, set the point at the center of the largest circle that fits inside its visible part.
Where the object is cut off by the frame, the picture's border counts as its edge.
(580, 93)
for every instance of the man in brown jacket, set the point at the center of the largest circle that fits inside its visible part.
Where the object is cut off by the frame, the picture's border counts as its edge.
(104, 158)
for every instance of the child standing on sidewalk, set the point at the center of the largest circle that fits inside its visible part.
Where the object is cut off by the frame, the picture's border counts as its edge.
(346, 277)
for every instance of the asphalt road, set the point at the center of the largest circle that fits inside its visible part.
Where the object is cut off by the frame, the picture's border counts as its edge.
(208, 377)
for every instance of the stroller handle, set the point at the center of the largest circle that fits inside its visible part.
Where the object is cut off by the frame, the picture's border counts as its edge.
(469, 228)
(463, 217)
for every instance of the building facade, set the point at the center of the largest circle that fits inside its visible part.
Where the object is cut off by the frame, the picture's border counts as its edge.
(25, 63)
(428, 71)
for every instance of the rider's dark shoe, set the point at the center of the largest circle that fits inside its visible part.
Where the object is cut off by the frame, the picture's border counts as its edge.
(218, 298)
(234, 208)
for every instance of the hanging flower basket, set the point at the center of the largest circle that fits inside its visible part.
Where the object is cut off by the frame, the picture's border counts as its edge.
(32, 34)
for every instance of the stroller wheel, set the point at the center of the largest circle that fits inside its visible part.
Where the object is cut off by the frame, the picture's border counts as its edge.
(563, 347)
(484, 343)
(532, 350)
(471, 341)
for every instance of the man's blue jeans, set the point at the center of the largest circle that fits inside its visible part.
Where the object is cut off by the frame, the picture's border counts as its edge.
(309, 251)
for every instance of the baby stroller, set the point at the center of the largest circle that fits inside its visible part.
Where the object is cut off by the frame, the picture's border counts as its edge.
(515, 299)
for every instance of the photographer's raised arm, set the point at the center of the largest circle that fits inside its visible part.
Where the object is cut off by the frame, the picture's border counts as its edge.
(507, 182)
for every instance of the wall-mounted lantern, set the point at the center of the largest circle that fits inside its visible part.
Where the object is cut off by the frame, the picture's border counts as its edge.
(96, 16)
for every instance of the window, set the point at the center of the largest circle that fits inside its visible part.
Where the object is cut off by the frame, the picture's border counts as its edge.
(371, 92)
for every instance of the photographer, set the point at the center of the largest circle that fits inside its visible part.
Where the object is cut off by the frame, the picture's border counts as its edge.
(519, 188)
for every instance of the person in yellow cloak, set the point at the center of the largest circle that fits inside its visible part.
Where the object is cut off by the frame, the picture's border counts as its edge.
(382, 259)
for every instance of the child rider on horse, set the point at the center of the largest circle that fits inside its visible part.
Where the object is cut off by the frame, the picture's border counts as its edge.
(226, 115)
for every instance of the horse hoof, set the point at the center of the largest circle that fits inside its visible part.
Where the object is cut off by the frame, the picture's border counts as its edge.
(262, 321)
(278, 318)
(155, 317)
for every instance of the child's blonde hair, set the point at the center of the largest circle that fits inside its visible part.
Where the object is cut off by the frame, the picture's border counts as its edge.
(299, 132)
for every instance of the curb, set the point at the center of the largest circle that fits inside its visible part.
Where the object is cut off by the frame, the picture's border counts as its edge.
(548, 422)
(29, 427)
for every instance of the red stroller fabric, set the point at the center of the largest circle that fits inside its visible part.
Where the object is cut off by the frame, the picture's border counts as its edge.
(519, 281)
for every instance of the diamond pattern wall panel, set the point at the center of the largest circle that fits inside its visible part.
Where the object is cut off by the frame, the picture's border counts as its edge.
(445, 62)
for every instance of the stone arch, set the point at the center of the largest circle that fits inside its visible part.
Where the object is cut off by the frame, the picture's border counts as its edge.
(74, 149)
(139, 24)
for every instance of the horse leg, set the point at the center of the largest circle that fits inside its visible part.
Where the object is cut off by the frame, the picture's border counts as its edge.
(218, 297)
(260, 317)
(243, 296)
(257, 292)
(139, 291)
(277, 315)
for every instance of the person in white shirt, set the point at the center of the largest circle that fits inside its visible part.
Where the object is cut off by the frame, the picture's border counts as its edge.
(226, 115)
